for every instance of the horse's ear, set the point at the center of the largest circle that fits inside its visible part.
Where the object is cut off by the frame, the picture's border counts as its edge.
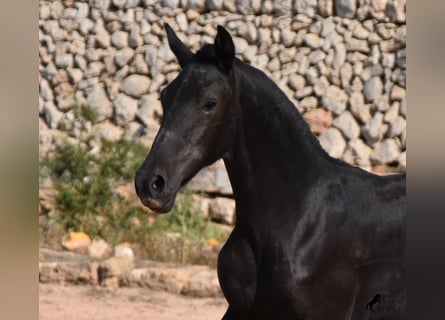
(224, 48)
(177, 46)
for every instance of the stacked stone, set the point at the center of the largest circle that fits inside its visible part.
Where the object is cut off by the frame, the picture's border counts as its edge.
(342, 62)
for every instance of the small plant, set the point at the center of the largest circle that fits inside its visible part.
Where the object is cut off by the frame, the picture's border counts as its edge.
(86, 113)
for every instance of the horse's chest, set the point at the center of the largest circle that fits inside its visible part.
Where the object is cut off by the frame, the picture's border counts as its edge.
(279, 284)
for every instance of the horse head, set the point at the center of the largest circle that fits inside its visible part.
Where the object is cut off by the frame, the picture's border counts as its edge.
(197, 123)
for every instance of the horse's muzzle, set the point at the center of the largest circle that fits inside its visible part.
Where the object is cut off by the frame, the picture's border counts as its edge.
(152, 191)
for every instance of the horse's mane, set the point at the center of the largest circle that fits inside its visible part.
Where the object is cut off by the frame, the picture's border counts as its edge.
(267, 86)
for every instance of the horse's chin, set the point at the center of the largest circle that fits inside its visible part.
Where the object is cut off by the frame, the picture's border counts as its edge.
(159, 206)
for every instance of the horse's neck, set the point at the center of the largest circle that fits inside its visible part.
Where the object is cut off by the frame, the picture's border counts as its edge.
(272, 153)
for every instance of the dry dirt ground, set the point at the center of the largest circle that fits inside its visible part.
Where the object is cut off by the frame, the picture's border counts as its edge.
(70, 302)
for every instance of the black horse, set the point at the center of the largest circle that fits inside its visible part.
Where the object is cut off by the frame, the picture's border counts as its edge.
(315, 238)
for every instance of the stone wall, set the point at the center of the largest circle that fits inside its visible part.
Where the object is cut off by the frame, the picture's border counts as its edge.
(342, 62)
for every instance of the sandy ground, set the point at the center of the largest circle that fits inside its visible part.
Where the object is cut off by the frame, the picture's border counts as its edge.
(69, 302)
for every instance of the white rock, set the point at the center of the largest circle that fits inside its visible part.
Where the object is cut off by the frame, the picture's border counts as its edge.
(94, 54)
(165, 54)
(381, 103)
(100, 4)
(308, 103)
(222, 210)
(385, 152)
(52, 115)
(125, 109)
(353, 44)
(296, 82)
(397, 93)
(334, 99)
(112, 268)
(94, 69)
(372, 129)
(320, 86)
(80, 62)
(44, 11)
(388, 60)
(77, 46)
(85, 26)
(83, 10)
(149, 108)
(396, 10)
(392, 112)
(360, 151)
(373, 88)
(316, 56)
(250, 53)
(103, 38)
(65, 101)
(332, 141)
(403, 107)
(139, 64)
(274, 64)
(41, 104)
(75, 75)
(345, 8)
(248, 31)
(119, 3)
(402, 160)
(99, 249)
(396, 127)
(87, 83)
(107, 131)
(56, 9)
(63, 60)
(212, 179)
(122, 73)
(124, 56)
(135, 85)
(215, 5)
(119, 39)
(304, 92)
(69, 13)
(45, 90)
(135, 40)
(339, 55)
(197, 5)
(241, 44)
(157, 82)
(97, 99)
(360, 32)
(308, 7)
(347, 124)
(132, 4)
(313, 40)
(345, 74)
(124, 251)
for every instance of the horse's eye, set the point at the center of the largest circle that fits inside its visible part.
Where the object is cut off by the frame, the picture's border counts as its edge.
(209, 105)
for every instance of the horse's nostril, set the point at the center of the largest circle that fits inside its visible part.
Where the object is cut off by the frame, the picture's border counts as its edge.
(157, 184)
